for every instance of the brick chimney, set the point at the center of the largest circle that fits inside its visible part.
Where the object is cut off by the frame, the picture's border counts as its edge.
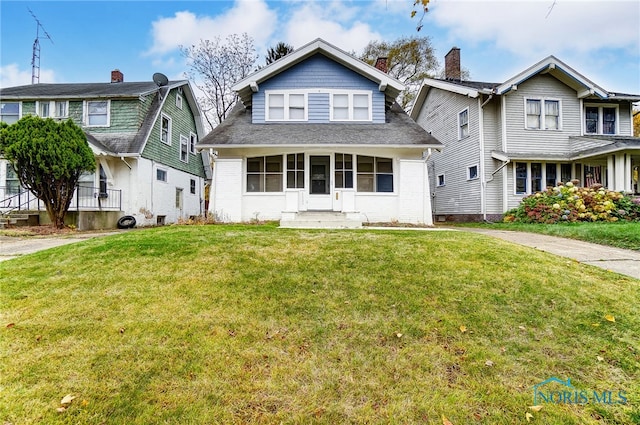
(117, 76)
(381, 64)
(452, 64)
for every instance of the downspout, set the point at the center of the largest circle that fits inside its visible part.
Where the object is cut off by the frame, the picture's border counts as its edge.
(427, 204)
(483, 181)
(213, 155)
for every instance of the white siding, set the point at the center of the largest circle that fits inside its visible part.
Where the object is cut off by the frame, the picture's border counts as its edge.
(226, 195)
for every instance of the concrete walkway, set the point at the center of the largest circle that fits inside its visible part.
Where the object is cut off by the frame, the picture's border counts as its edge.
(15, 246)
(623, 261)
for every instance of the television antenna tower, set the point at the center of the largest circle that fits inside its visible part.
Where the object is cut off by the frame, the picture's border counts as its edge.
(35, 58)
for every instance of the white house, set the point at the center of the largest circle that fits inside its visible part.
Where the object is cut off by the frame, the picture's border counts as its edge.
(319, 130)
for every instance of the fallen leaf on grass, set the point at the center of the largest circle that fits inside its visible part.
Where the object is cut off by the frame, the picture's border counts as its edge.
(610, 318)
(446, 421)
(522, 328)
(84, 403)
(529, 416)
(595, 325)
(600, 358)
(488, 363)
(399, 335)
(535, 408)
(463, 328)
(61, 409)
(10, 325)
(66, 400)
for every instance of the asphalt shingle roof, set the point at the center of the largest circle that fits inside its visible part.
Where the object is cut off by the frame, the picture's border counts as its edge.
(399, 129)
(80, 90)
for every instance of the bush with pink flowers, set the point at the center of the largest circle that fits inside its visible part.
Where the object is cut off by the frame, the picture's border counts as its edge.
(570, 203)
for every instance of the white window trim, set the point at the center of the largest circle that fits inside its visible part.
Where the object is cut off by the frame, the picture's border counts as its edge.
(178, 101)
(444, 182)
(52, 108)
(286, 93)
(469, 172)
(193, 137)
(600, 124)
(542, 113)
(184, 141)
(350, 94)
(166, 174)
(85, 107)
(168, 142)
(460, 136)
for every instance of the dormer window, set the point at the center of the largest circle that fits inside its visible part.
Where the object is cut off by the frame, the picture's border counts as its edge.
(286, 106)
(97, 113)
(351, 106)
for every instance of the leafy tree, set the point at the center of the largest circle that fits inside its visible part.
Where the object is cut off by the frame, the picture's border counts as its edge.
(636, 123)
(215, 67)
(409, 59)
(423, 5)
(275, 53)
(48, 157)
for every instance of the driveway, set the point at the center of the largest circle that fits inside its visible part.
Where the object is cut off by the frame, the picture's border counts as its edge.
(15, 246)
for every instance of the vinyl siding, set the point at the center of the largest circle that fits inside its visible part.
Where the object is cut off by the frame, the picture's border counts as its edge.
(318, 72)
(492, 142)
(520, 139)
(440, 118)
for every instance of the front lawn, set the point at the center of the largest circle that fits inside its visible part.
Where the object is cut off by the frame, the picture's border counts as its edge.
(254, 324)
(622, 234)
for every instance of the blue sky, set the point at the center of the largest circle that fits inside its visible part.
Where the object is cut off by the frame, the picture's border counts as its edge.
(598, 38)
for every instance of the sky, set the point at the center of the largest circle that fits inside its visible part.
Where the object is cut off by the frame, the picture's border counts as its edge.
(86, 40)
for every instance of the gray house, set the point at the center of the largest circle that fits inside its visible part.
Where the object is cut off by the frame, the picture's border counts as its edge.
(504, 141)
(143, 136)
(319, 131)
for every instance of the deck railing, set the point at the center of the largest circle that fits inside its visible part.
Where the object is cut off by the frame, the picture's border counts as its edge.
(85, 198)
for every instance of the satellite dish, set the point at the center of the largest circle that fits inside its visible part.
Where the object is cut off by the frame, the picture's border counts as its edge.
(160, 79)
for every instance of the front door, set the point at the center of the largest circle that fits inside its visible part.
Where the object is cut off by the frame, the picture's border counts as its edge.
(320, 182)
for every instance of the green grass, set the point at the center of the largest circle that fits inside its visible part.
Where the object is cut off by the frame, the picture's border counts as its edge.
(254, 324)
(620, 234)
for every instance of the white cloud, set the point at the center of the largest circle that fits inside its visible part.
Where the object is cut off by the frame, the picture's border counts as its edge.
(332, 22)
(185, 28)
(533, 28)
(11, 75)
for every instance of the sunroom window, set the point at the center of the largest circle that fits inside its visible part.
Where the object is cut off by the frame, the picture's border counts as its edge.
(264, 174)
(375, 174)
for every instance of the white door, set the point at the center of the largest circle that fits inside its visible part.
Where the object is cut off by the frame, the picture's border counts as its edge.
(320, 183)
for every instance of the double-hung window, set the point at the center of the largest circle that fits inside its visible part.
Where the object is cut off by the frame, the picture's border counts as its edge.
(286, 106)
(463, 124)
(9, 112)
(375, 174)
(351, 106)
(165, 129)
(542, 114)
(54, 109)
(184, 148)
(600, 119)
(264, 174)
(97, 113)
(193, 139)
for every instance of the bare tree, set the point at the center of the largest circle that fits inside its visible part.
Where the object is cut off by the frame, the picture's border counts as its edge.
(215, 67)
(409, 60)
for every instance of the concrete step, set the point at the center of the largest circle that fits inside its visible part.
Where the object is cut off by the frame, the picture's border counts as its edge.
(320, 220)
